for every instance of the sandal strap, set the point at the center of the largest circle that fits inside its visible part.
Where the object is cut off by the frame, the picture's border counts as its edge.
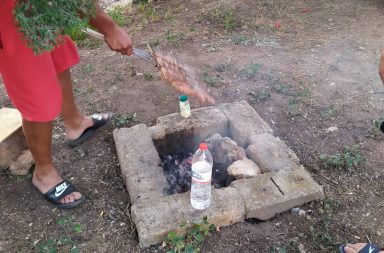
(370, 248)
(59, 191)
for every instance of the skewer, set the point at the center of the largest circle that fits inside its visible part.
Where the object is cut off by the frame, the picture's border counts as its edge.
(99, 36)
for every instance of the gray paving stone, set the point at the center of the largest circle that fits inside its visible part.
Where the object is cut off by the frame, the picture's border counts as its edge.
(147, 185)
(139, 162)
(271, 193)
(244, 122)
(154, 219)
(135, 150)
(298, 187)
(261, 196)
(271, 154)
(173, 133)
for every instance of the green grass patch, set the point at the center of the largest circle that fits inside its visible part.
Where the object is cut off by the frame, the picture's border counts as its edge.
(192, 240)
(349, 159)
(120, 120)
(258, 97)
(322, 235)
(328, 112)
(213, 80)
(119, 15)
(251, 70)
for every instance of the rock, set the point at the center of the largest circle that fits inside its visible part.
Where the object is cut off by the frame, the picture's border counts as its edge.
(23, 163)
(224, 150)
(244, 168)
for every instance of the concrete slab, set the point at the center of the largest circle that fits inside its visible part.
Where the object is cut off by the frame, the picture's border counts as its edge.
(271, 154)
(244, 122)
(271, 193)
(174, 133)
(154, 219)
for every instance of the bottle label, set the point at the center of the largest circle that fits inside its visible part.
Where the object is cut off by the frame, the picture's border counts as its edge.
(185, 109)
(201, 178)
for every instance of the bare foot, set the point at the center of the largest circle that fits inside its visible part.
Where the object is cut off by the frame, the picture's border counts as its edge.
(45, 182)
(355, 248)
(74, 131)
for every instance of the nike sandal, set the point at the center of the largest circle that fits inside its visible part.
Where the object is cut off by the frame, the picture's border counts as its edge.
(369, 248)
(59, 191)
(98, 122)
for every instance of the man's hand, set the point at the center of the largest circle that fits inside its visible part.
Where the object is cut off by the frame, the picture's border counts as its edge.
(118, 40)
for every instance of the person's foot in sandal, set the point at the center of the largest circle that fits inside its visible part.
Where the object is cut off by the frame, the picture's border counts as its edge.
(57, 191)
(360, 248)
(86, 128)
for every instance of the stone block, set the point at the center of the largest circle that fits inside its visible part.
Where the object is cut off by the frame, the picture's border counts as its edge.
(271, 154)
(135, 149)
(298, 187)
(244, 122)
(22, 165)
(154, 219)
(149, 184)
(174, 133)
(11, 148)
(261, 196)
(271, 193)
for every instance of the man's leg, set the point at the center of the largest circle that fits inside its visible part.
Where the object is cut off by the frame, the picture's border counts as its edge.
(75, 122)
(45, 176)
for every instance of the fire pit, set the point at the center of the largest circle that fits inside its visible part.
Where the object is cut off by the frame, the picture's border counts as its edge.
(158, 205)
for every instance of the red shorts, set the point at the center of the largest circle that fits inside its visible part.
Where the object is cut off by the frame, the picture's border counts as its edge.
(31, 80)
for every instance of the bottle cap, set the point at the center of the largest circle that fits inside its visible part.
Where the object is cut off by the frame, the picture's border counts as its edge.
(203, 146)
(183, 98)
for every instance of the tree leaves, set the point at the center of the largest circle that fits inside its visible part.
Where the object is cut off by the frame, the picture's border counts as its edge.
(44, 22)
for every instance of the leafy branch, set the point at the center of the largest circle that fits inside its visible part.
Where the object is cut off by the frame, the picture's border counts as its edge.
(44, 22)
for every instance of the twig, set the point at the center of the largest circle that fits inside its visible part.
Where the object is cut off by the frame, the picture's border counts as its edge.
(368, 239)
(362, 94)
(285, 233)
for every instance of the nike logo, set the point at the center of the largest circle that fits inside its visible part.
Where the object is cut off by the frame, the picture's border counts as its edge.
(371, 249)
(60, 189)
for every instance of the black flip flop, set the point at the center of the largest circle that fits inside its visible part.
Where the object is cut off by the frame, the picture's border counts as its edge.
(58, 192)
(369, 248)
(98, 122)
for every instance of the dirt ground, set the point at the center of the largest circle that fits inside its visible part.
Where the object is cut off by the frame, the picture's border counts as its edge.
(305, 66)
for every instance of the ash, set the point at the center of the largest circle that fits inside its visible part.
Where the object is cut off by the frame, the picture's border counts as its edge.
(177, 170)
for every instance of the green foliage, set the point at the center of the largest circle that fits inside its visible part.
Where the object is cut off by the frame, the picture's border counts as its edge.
(192, 240)
(328, 112)
(289, 247)
(251, 71)
(348, 160)
(375, 131)
(118, 14)
(148, 76)
(322, 235)
(257, 97)
(43, 22)
(213, 81)
(124, 120)
(53, 246)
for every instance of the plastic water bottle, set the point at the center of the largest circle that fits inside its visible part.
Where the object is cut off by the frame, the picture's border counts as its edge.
(202, 163)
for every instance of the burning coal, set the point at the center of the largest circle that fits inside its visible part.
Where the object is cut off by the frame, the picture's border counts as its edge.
(177, 170)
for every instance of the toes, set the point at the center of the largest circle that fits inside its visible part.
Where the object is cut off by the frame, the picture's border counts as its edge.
(353, 248)
(76, 195)
(71, 198)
